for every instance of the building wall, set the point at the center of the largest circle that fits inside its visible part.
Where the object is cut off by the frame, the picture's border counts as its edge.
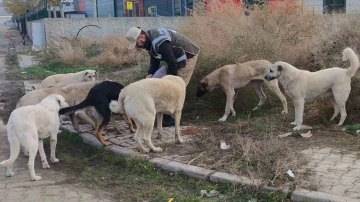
(82, 6)
(352, 6)
(119, 8)
(88, 8)
(164, 7)
(76, 5)
(317, 6)
(105, 8)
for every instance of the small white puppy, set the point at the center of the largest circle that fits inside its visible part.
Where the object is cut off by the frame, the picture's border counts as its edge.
(28, 126)
(61, 80)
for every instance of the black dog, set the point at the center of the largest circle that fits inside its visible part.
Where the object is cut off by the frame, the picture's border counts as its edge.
(100, 97)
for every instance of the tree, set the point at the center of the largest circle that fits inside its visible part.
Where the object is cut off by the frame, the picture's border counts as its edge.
(19, 7)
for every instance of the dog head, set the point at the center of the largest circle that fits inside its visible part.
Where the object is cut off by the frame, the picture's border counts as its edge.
(89, 75)
(275, 71)
(204, 86)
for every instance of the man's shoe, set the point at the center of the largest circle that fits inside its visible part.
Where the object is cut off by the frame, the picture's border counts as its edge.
(168, 121)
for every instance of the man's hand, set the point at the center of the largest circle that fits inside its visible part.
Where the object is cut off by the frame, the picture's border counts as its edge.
(149, 76)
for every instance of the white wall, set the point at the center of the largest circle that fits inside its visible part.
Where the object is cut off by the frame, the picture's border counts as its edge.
(352, 6)
(314, 5)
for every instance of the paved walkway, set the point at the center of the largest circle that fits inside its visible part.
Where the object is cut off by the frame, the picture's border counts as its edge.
(333, 172)
(54, 186)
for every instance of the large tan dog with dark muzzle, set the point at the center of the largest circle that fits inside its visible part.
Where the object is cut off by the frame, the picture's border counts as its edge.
(231, 77)
(302, 85)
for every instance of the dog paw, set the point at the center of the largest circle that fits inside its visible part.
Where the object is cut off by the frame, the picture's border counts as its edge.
(36, 178)
(45, 165)
(10, 174)
(293, 123)
(180, 140)
(256, 108)
(297, 128)
(157, 149)
(146, 150)
(222, 119)
(54, 160)
(284, 112)
(233, 113)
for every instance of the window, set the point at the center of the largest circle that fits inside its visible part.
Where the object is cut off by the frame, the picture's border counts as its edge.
(177, 7)
(334, 6)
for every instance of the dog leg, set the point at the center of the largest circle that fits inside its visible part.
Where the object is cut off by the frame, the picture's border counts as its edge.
(336, 109)
(177, 127)
(138, 137)
(25, 151)
(299, 111)
(74, 122)
(341, 95)
(82, 115)
(257, 85)
(33, 148)
(159, 120)
(44, 161)
(53, 142)
(230, 92)
(14, 153)
(113, 123)
(147, 137)
(105, 112)
(273, 86)
(129, 122)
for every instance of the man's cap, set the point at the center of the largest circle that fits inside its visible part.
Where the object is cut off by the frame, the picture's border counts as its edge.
(132, 34)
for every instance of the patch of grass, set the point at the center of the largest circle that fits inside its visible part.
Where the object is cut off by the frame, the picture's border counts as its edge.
(55, 67)
(132, 179)
(352, 128)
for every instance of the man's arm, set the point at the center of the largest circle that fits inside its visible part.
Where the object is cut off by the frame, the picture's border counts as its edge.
(154, 65)
(166, 51)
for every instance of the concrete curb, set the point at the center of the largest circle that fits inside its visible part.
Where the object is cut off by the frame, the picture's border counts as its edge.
(300, 195)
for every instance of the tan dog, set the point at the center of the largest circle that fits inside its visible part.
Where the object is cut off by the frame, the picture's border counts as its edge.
(61, 80)
(73, 94)
(302, 85)
(147, 98)
(231, 77)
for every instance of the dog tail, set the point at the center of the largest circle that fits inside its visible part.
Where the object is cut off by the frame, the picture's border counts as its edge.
(14, 148)
(349, 54)
(81, 105)
(118, 106)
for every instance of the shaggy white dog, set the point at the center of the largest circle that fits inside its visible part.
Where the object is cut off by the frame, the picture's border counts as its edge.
(61, 80)
(147, 98)
(28, 126)
(302, 85)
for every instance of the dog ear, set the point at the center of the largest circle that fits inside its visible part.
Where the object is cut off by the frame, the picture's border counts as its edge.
(86, 73)
(204, 85)
(280, 68)
(59, 102)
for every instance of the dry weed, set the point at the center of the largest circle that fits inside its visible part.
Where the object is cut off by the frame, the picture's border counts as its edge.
(259, 157)
(110, 52)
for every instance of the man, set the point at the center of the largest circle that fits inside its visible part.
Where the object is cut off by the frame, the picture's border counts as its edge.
(179, 52)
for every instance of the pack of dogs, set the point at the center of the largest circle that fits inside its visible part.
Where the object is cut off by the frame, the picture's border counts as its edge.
(80, 95)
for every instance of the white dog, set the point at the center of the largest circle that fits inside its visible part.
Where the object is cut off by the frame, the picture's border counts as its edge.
(302, 85)
(61, 80)
(28, 126)
(147, 98)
